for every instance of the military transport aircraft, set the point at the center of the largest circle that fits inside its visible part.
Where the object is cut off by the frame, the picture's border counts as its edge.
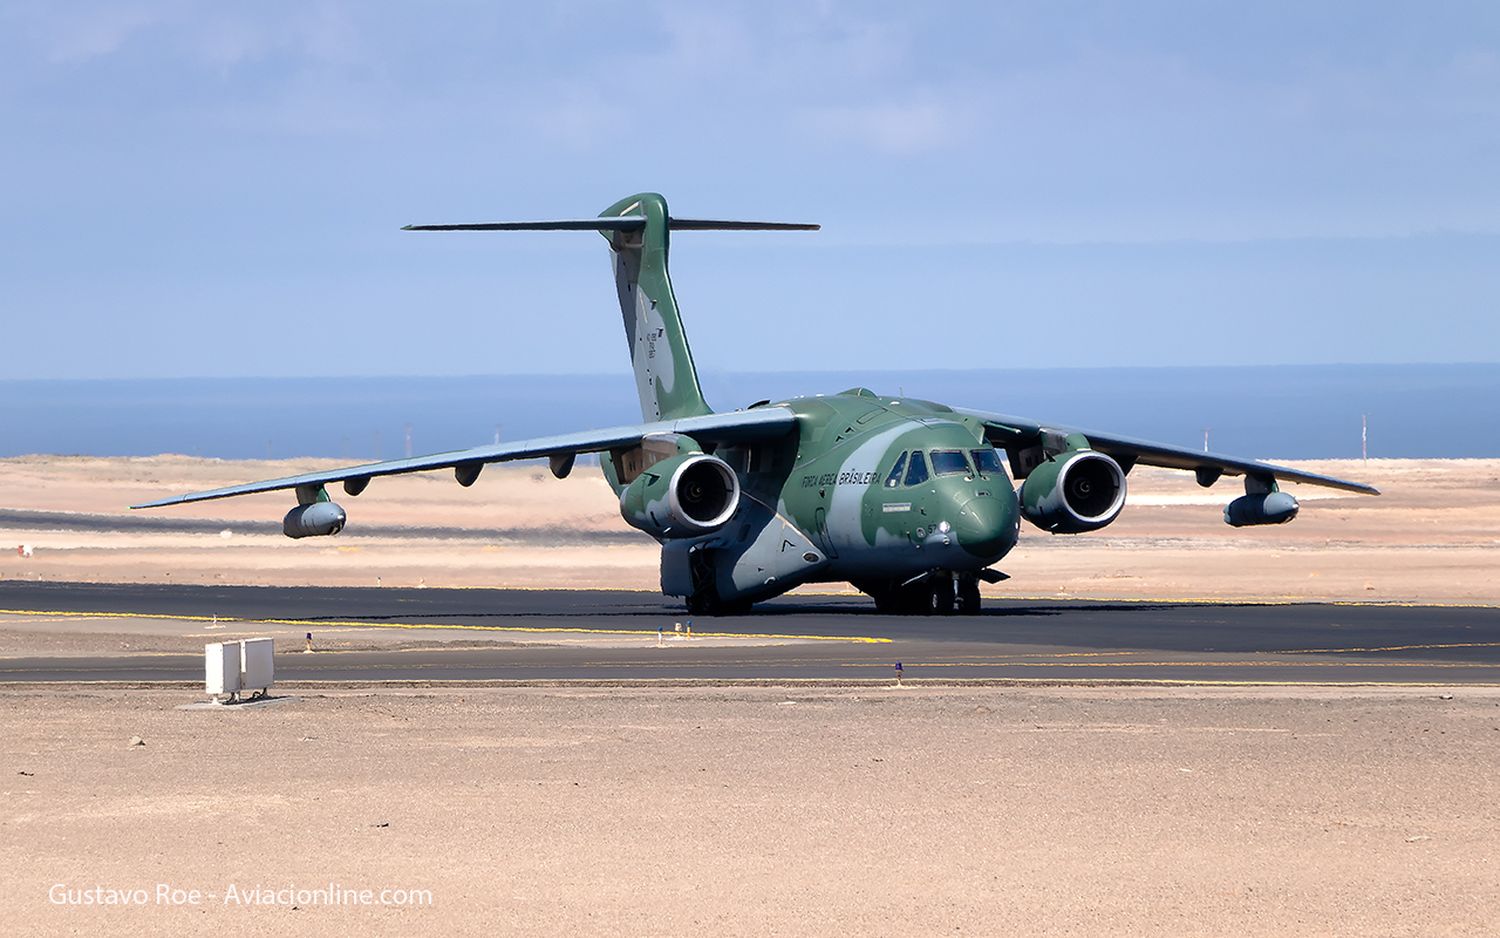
(908, 500)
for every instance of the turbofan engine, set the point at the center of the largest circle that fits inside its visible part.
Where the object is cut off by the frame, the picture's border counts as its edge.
(682, 496)
(1073, 492)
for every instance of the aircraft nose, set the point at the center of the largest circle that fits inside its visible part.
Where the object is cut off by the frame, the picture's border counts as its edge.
(986, 527)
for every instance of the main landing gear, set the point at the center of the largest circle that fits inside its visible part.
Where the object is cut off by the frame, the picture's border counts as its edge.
(707, 603)
(940, 594)
(705, 599)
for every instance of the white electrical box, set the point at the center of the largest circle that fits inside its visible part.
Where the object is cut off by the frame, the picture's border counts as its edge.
(221, 668)
(256, 667)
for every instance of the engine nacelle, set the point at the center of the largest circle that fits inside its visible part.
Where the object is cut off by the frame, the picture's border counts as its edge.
(316, 520)
(682, 496)
(1260, 508)
(1073, 492)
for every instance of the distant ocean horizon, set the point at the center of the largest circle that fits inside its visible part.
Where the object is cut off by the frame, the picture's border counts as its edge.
(1268, 412)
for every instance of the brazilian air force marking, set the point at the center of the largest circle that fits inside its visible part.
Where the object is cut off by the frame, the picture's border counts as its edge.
(848, 477)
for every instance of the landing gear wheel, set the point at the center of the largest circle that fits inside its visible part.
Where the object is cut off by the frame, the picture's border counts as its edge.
(903, 601)
(918, 599)
(708, 603)
(702, 603)
(942, 595)
(968, 595)
(888, 603)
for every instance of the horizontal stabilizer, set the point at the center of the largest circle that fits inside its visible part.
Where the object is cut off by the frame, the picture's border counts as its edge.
(706, 224)
(619, 223)
(616, 223)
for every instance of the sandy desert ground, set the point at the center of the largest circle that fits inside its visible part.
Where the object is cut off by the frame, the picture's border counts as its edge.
(1433, 536)
(759, 811)
(745, 810)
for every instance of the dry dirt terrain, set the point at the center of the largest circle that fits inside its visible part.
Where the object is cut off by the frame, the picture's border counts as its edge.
(757, 811)
(1434, 535)
(742, 810)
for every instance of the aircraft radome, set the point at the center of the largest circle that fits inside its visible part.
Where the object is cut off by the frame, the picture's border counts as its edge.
(908, 500)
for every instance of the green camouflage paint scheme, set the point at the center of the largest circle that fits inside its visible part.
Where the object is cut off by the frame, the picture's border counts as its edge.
(644, 502)
(666, 379)
(818, 499)
(830, 484)
(822, 492)
(837, 488)
(824, 499)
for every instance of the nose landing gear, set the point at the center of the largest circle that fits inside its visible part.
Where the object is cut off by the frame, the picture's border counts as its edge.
(936, 594)
(968, 594)
(942, 595)
(956, 593)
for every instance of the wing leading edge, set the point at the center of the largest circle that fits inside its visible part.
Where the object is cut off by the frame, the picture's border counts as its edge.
(739, 426)
(1009, 432)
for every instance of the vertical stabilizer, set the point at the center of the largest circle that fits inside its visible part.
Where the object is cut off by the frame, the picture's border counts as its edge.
(637, 231)
(665, 377)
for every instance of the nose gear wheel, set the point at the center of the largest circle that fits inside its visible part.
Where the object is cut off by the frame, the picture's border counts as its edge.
(937, 594)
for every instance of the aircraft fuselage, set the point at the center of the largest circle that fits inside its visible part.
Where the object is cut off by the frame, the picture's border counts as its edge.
(841, 500)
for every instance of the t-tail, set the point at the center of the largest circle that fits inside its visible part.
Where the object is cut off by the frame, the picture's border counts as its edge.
(638, 229)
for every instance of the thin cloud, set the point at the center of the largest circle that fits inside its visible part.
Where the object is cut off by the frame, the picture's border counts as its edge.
(79, 35)
(900, 128)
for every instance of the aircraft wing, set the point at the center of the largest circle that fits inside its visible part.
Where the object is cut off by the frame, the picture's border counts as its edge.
(1014, 433)
(739, 426)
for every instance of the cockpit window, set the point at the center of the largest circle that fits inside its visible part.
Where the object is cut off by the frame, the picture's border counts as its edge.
(894, 479)
(916, 473)
(988, 462)
(949, 462)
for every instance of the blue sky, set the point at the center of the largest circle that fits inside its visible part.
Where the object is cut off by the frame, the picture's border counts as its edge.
(210, 188)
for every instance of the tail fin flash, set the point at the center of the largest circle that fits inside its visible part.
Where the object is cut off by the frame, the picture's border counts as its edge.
(637, 231)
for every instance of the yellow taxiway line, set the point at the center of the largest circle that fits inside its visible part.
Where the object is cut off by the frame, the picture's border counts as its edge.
(1259, 663)
(357, 624)
(1431, 647)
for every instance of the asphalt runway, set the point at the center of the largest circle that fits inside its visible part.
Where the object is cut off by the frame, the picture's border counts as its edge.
(843, 638)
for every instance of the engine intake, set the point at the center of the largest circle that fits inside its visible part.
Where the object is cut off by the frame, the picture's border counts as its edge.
(319, 519)
(682, 496)
(1073, 492)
